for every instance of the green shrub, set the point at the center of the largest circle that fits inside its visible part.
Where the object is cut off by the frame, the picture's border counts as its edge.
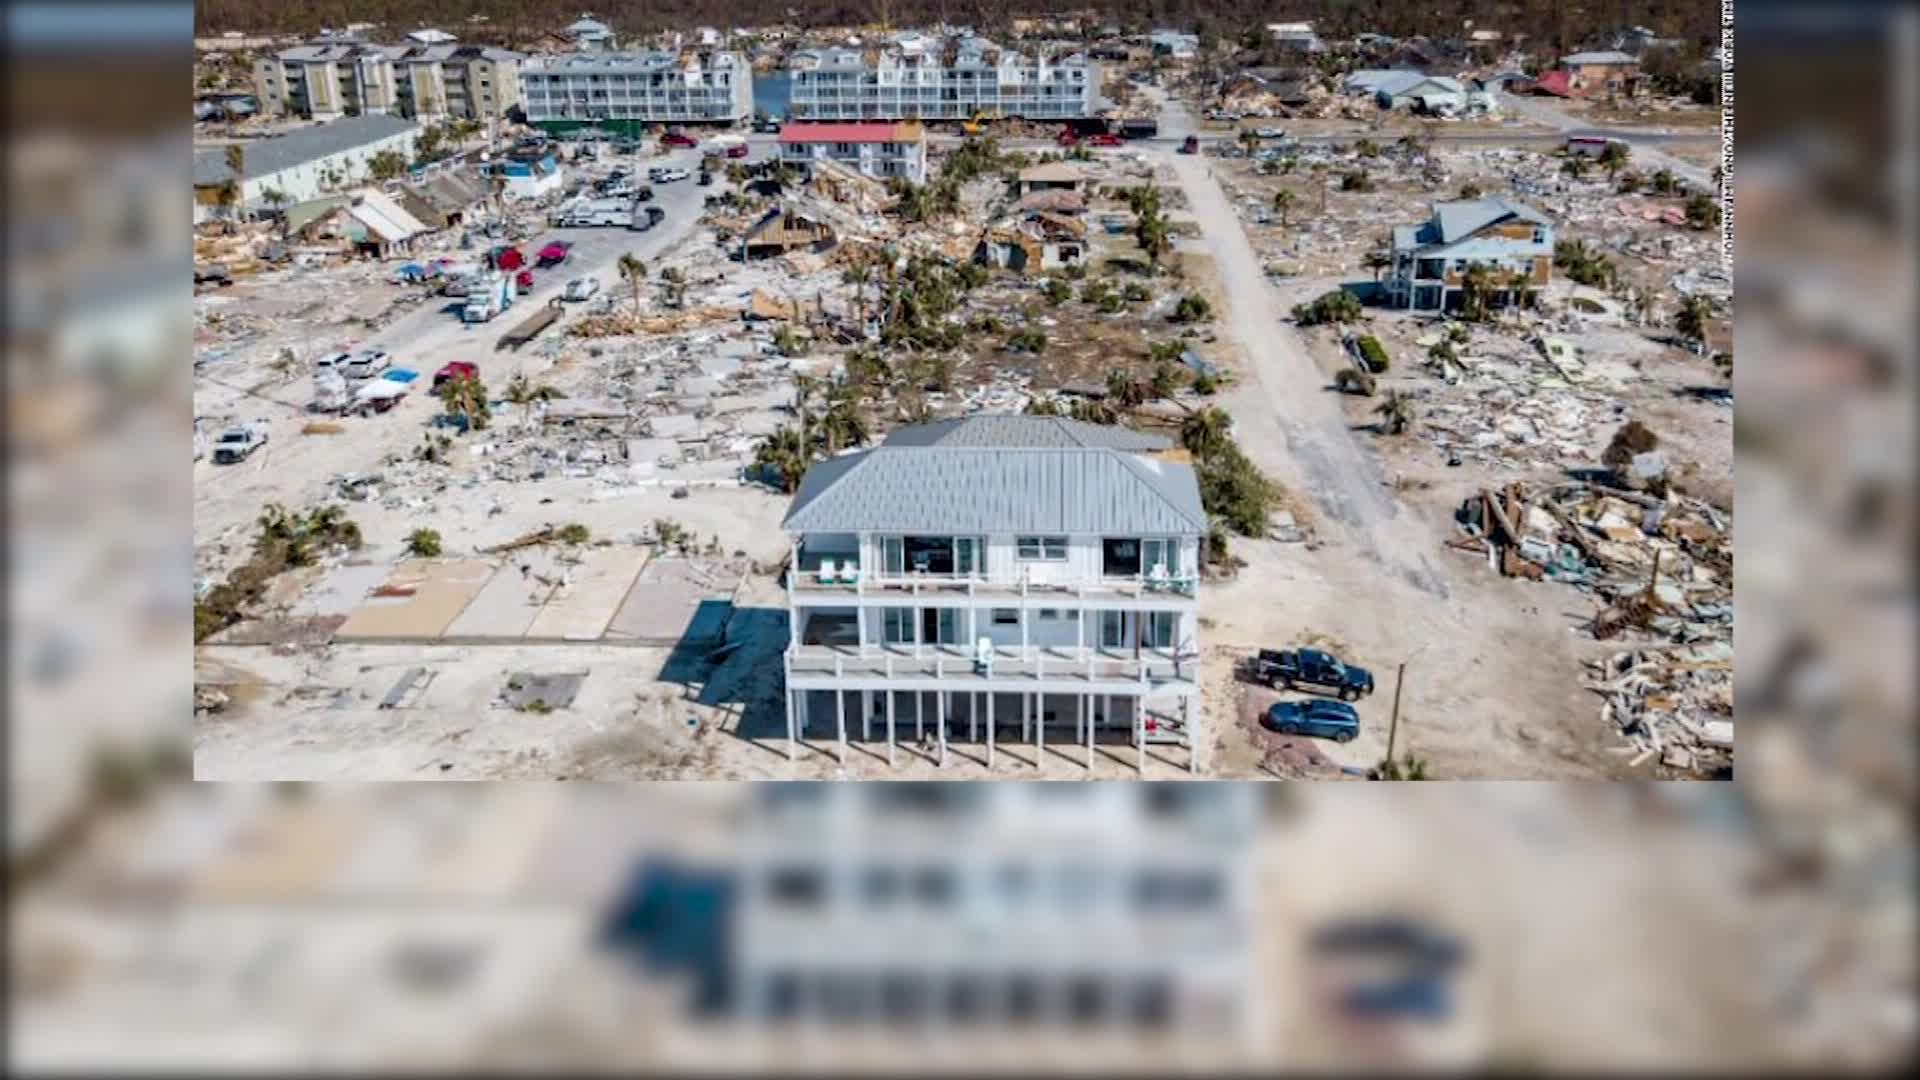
(1335, 306)
(1192, 308)
(424, 543)
(1374, 353)
(1353, 381)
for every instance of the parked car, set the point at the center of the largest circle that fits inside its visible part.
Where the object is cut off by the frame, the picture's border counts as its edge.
(367, 363)
(523, 281)
(508, 258)
(455, 369)
(767, 125)
(676, 139)
(1290, 669)
(332, 364)
(1068, 137)
(1405, 968)
(706, 178)
(645, 194)
(554, 254)
(647, 219)
(670, 176)
(581, 288)
(1270, 133)
(1190, 145)
(737, 150)
(1334, 720)
(1105, 138)
(235, 444)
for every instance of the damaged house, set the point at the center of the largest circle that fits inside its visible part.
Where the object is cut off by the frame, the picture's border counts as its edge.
(783, 230)
(1432, 95)
(1431, 260)
(1040, 240)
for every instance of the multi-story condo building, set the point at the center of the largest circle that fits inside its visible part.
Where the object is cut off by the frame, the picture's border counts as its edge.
(997, 578)
(882, 151)
(1513, 241)
(620, 91)
(427, 82)
(920, 78)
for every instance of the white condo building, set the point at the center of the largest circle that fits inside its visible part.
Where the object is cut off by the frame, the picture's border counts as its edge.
(922, 78)
(644, 87)
(998, 578)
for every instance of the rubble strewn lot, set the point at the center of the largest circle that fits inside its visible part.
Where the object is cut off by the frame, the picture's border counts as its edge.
(599, 509)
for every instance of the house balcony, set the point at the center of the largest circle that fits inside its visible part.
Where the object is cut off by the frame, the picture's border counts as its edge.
(1010, 669)
(843, 580)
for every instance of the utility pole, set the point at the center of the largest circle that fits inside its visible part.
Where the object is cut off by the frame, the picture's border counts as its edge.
(1393, 724)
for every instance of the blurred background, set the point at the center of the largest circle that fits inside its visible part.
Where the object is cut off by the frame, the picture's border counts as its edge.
(161, 924)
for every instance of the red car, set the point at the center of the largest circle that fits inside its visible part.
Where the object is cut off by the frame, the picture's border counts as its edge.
(524, 280)
(455, 369)
(737, 150)
(1105, 139)
(554, 254)
(674, 138)
(508, 258)
(1068, 138)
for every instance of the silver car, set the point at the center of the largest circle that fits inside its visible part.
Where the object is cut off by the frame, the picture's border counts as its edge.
(582, 288)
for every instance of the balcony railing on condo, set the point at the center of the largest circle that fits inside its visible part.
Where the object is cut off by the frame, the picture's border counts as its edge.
(1003, 665)
(854, 581)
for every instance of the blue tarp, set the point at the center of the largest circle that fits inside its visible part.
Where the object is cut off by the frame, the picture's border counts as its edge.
(1199, 363)
(399, 375)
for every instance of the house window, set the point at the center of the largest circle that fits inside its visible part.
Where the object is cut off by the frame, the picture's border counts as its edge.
(1043, 548)
(897, 626)
(1539, 236)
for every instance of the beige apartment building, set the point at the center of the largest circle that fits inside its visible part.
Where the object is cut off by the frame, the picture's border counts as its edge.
(426, 82)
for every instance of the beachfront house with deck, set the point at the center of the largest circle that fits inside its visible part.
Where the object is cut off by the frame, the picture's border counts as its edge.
(998, 578)
(1431, 260)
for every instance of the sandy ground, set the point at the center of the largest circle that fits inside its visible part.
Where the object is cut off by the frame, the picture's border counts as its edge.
(1540, 110)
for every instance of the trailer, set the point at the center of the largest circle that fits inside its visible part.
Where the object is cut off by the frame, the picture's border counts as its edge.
(530, 327)
(488, 296)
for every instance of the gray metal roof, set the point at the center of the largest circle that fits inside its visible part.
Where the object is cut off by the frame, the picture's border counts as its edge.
(1025, 432)
(1465, 217)
(987, 490)
(267, 156)
(1608, 57)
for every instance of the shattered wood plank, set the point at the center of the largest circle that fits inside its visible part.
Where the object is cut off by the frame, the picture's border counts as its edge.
(1499, 516)
(1576, 534)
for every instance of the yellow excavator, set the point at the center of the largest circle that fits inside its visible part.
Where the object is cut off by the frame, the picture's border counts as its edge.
(979, 121)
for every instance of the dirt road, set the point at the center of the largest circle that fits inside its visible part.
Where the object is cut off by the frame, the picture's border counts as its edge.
(1342, 477)
(1644, 152)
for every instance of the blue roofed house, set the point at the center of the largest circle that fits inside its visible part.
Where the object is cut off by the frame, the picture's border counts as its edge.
(1430, 260)
(995, 574)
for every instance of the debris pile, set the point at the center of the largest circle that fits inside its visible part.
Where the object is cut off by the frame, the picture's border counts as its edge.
(1662, 570)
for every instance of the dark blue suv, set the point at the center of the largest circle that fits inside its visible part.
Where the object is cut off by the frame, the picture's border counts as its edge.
(1334, 720)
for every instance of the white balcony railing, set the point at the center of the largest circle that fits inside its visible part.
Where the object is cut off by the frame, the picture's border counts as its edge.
(1003, 665)
(858, 582)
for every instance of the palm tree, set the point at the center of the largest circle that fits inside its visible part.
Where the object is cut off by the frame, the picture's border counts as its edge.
(236, 155)
(844, 425)
(1378, 261)
(857, 276)
(1691, 319)
(1476, 290)
(1575, 166)
(1165, 382)
(1248, 140)
(1518, 286)
(803, 388)
(1206, 431)
(635, 273)
(466, 396)
(1614, 158)
(1154, 237)
(1283, 201)
(1664, 183)
(1124, 392)
(1395, 412)
(787, 452)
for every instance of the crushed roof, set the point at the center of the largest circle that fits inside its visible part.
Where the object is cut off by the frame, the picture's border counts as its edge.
(1465, 217)
(1001, 474)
